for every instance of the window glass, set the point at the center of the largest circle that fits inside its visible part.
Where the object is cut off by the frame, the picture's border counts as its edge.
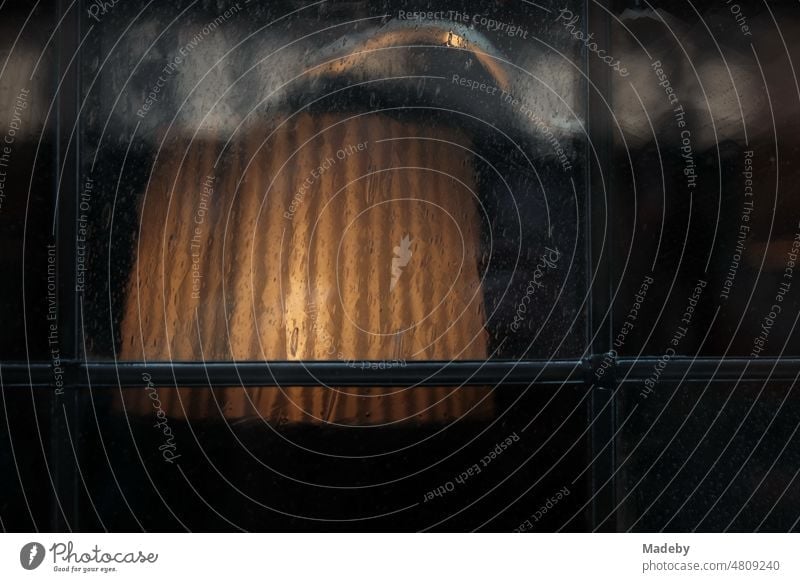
(707, 457)
(707, 228)
(29, 289)
(397, 458)
(400, 183)
(29, 467)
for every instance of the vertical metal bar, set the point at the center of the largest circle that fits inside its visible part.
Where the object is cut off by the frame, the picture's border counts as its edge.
(65, 402)
(600, 213)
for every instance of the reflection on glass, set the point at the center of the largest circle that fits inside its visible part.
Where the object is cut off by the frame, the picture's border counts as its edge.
(27, 169)
(263, 475)
(704, 175)
(328, 240)
(382, 187)
(330, 406)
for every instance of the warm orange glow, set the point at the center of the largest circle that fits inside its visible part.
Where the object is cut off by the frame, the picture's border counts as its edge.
(354, 244)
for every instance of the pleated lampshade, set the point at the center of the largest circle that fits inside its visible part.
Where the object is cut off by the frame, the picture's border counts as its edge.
(326, 237)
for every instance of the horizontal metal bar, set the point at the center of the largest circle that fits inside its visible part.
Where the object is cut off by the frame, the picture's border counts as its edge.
(335, 373)
(20, 374)
(709, 369)
(109, 374)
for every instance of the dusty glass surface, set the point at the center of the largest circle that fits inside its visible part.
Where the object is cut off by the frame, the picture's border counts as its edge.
(394, 459)
(375, 184)
(356, 180)
(29, 299)
(26, 457)
(707, 457)
(707, 225)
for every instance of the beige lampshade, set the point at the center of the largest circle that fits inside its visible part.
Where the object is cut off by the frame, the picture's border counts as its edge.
(324, 238)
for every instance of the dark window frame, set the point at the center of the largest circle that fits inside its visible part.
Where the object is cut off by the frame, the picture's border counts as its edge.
(82, 374)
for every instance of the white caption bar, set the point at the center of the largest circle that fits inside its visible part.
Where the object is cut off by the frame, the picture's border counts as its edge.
(400, 557)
